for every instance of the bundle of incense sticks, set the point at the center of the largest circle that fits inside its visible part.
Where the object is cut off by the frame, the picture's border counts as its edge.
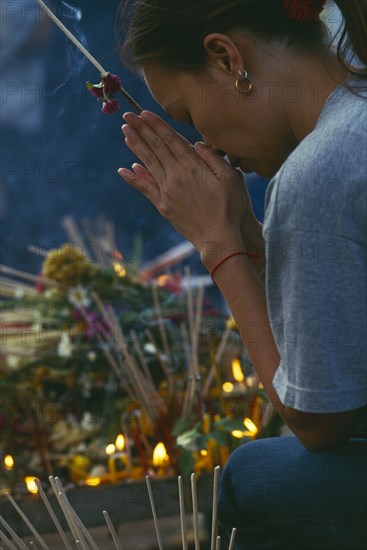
(78, 536)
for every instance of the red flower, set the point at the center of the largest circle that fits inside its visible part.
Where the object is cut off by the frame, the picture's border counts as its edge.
(111, 83)
(110, 106)
(304, 10)
(97, 91)
(106, 90)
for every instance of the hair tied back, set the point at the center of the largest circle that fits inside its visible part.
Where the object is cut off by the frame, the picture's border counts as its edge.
(304, 10)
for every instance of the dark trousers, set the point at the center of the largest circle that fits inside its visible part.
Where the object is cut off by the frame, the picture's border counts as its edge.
(282, 497)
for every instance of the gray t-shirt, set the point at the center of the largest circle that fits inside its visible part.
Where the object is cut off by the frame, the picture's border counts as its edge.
(315, 230)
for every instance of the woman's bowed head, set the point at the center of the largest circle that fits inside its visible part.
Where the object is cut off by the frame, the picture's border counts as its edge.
(251, 76)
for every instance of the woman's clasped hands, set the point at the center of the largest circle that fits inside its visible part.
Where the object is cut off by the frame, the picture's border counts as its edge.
(202, 195)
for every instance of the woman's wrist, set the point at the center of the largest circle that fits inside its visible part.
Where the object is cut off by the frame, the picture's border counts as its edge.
(214, 249)
(251, 231)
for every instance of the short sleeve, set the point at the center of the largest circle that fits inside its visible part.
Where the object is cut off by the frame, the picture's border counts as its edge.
(316, 293)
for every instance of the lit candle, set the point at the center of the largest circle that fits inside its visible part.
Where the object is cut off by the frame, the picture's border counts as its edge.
(237, 371)
(110, 449)
(160, 458)
(31, 484)
(93, 481)
(114, 457)
(252, 429)
(120, 442)
(238, 377)
(228, 387)
(8, 462)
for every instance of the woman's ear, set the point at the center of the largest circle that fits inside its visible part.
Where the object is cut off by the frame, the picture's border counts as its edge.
(223, 53)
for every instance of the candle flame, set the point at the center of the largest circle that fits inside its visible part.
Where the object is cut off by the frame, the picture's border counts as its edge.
(120, 442)
(227, 387)
(252, 429)
(110, 449)
(160, 456)
(93, 481)
(31, 484)
(238, 434)
(119, 269)
(163, 280)
(8, 462)
(237, 371)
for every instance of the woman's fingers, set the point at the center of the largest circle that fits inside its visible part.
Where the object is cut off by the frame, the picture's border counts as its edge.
(163, 140)
(215, 162)
(144, 174)
(147, 188)
(141, 149)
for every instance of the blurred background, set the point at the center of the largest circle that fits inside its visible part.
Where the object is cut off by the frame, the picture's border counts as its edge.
(59, 153)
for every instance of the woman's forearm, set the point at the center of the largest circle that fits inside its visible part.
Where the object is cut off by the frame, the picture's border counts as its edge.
(239, 282)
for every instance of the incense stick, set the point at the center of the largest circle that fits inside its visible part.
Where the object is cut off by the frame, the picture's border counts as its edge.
(131, 367)
(233, 539)
(27, 276)
(195, 511)
(218, 357)
(80, 525)
(72, 231)
(83, 538)
(161, 361)
(112, 530)
(161, 326)
(70, 521)
(7, 541)
(147, 373)
(53, 515)
(152, 504)
(182, 513)
(37, 250)
(215, 506)
(57, 492)
(27, 522)
(11, 532)
(139, 382)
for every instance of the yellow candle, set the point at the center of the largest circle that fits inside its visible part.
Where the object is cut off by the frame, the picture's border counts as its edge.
(112, 468)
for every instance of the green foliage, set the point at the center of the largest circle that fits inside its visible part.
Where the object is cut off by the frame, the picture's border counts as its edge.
(186, 462)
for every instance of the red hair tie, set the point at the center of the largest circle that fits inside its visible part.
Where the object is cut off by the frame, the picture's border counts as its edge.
(304, 10)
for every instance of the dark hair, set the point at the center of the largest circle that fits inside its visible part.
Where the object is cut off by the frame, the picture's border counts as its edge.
(353, 39)
(171, 32)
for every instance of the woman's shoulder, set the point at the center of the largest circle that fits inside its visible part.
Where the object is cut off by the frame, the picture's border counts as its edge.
(337, 145)
(323, 183)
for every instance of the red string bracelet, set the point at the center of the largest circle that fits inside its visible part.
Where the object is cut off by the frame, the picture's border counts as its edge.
(238, 253)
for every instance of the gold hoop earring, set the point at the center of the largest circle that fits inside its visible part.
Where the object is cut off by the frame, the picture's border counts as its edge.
(243, 75)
